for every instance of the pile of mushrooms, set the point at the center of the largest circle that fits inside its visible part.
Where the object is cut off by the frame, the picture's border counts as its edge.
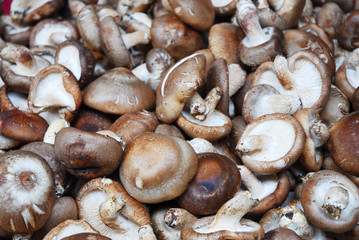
(179, 119)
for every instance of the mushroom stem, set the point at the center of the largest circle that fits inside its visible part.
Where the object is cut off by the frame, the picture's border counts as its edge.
(320, 133)
(284, 75)
(253, 144)
(146, 233)
(178, 217)
(200, 108)
(135, 38)
(109, 210)
(251, 182)
(336, 199)
(230, 214)
(247, 17)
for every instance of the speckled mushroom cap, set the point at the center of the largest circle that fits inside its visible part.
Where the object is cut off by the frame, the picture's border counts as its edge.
(28, 191)
(265, 149)
(108, 208)
(157, 168)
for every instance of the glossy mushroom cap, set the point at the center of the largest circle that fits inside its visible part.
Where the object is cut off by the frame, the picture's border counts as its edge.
(151, 155)
(85, 154)
(28, 189)
(216, 181)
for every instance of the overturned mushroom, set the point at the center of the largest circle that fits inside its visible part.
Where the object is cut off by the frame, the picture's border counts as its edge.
(227, 223)
(108, 208)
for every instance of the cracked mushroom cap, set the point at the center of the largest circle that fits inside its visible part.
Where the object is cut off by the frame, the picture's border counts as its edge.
(118, 92)
(157, 168)
(28, 192)
(52, 32)
(330, 201)
(264, 148)
(343, 143)
(178, 85)
(55, 87)
(302, 75)
(227, 223)
(108, 208)
(85, 154)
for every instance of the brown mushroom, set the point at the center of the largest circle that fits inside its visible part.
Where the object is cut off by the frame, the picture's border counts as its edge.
(151, 155)
(265, 150)
(348, 32)
(28, 192)
(86, 236)
(14, 32)
(281, 234)
(289, 10)
(91, 120)
(108, 208)
(216, 181)
(85, 154)
(330, 201)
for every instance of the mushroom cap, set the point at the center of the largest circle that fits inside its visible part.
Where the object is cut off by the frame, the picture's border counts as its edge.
(88, 25)
(264, 148)
(198, 14)
(118, 92)
(313, 199)
(343, 143)
(28, 191)
(281, 233)
(216, 126)
(157, 168)
(168, 32)
(178, 85)
(85, 154)
(348, 33)
(267, 51)
(217, 180)
(69, 227)
(86, 236)
(130, 218)
(346, 79)
(91, 120)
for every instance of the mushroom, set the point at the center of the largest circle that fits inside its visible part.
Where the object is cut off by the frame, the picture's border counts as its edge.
(47, 152)
(317, 134)
(330, 201)
(126, 6)
(302, 75)
(76, 57)
(86, 236)
(178, 85)
(268, 17)
(281, 233)
(178, 39)
(224, 7)
(270, 190)
(169, 129)
(52, 32)
(108, 208)
(259, 45)
(28, 12)
(343, 143)
(265, 150)
(55, 87)
(197, 14)
(321, 33)
(201, 145)
(130, 125)
(330, 18)
(168, 222)
(227, 223)
(69, 227)
(118, 92)
(151, 155)
(45, 51)
(158, 60)
(347, 76)
(348, 32)
(215, 182)
(28, 192)
(337, 107)
(19, 66)
(264, 99)
(85, 154)
(14, 32)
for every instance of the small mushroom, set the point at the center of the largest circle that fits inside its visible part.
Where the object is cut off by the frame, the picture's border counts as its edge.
(330, 201)
(259, 45)
(52, 32)
(108, 208)
(227, 223)
(118, 92)
(265, 150)
(28, 192)
(151, 155)
(85, 154)
(215, 182)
